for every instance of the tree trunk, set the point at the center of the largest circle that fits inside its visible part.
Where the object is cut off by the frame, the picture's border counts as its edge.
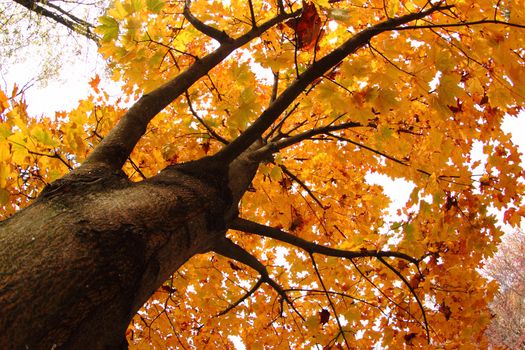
(78, 263)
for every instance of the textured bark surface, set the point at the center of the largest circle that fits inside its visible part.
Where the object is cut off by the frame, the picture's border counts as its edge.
(78, 263)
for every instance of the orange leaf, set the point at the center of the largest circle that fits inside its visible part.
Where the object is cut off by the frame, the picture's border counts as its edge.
(307, 27)
(94, 83)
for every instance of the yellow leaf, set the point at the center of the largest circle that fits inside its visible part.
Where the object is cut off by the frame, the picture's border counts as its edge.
(4, 196)
(3, 101)
(43, 136)
(4, 174)
(312, 323)
(392, 8)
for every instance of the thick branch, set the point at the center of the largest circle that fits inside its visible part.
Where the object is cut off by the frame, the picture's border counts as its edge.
(70, 15)
(310, 247)
(113, 151)
(316, 70)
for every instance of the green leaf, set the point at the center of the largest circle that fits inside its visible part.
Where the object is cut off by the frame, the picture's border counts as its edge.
(352, 314)
(410, 231)
(136, 5)
(109, 28)
(155, 5)
(414, 196)
(43, 137)
(342, 15)
(54, 174)
(276, 173)
(5, 132)
(4, 196)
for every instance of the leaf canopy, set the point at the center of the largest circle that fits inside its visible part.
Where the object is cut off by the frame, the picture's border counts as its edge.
(412, 103)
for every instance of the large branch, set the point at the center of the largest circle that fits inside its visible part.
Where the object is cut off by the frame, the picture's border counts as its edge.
(113, 151)
(310, 247)
(315, 71)
(464, 24)
(73, 23)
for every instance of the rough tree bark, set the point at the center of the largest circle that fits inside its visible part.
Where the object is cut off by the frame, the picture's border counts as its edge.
(81, 260)
(77, 264)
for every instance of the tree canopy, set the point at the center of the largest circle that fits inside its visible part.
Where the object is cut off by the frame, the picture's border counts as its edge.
(324, 94)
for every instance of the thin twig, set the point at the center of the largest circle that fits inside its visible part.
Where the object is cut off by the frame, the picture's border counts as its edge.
(461, 24)
(206, 126)
(136, 168)
(302, 184)
(243, 298)
(252, 14)
(424, 172)
(332, 306)
(390, 61)
(55, 156)
(398, 274)
(384, 294)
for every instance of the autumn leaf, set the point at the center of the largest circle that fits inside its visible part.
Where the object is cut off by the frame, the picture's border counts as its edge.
(443, 308)
(234, 266)
(4, 196)
(307, 27)
(155, 5)
(3, 101)
(324, 316)
(94, 83)
(337, 14)
(109, 28)
(409, 338)
(168, 289)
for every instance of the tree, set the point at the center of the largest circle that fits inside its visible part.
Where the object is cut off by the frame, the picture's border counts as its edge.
(508, 307)
(248, 152)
